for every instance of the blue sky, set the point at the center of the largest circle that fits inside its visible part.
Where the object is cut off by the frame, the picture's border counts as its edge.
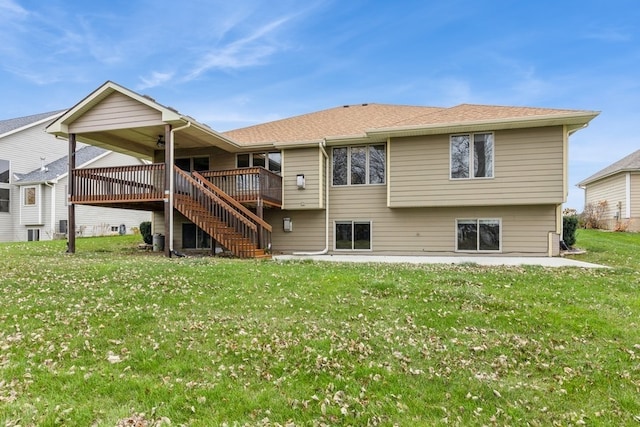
(235, 63)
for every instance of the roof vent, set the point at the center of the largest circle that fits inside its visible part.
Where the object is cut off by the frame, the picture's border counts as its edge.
(364, 105)
(345, 106)
(148, 97)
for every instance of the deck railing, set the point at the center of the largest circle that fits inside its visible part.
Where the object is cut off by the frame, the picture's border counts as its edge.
(137, 183)
(248, 184)
(140, 183)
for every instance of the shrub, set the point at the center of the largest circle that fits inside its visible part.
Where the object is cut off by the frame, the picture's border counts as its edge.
(569, 226)
(593, 213)
(145, 230)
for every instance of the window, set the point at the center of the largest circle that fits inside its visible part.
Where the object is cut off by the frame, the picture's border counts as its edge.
(33, 234)
(353, 235)
(5, 191)
(190, 164)
(359, 165)
(478, 235)
(193, 237)
(4, 199)
(29, 196)
(4, 171)
(271, 161)
(472, 156)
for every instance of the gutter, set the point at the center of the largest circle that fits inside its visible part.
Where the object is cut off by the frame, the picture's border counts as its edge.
(172, 184)
(322, 144)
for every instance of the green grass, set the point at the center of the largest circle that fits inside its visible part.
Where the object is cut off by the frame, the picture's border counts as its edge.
(111, 335)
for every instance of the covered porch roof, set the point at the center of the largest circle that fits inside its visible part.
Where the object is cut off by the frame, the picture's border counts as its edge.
(118, 119)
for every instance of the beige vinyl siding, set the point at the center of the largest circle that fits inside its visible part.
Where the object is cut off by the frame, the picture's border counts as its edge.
(612, 190)
(308, 233)
(528, 169)
(412, 231)
(116, 111)
(306, 161)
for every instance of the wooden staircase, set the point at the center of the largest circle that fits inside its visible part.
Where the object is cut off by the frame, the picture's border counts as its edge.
(226, 220)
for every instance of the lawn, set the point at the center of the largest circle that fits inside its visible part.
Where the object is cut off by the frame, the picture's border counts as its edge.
(112, 336)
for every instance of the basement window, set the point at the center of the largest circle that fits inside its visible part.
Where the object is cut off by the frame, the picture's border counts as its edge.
(478, 235)
(353, 236)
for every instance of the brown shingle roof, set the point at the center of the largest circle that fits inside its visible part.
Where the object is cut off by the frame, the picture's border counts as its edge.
(628, 163)
(355, 120)
(475, 113)
(349, 120)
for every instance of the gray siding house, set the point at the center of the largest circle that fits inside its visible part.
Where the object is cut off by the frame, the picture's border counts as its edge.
(33, 178)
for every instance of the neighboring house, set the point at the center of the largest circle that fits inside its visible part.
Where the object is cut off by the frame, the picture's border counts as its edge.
(26, 147)
(43, 200)
(617, 189)
(368, 179)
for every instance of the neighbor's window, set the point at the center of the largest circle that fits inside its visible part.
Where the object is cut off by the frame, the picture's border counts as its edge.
(5, 191)
(271, 161)
(33, 234)
(478, 235)
(29, 196)
(353, 235)
(359, 165)
(472, 156)
(4, 199)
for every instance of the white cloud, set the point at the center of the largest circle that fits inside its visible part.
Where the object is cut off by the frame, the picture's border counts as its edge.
(155, 79)
(10, 10)
(244, 52)
(609, 35)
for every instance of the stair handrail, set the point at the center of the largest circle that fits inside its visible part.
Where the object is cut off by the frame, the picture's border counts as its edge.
(231, 201)
(216, 198)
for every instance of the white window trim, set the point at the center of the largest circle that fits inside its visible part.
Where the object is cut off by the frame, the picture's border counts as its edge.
(477, 251)
(32, 229)
(24, 196)
(353, 222)
(471, 142)
(368, 175)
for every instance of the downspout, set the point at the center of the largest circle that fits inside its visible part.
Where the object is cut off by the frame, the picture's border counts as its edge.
(53, 207)
(326, 205)
(171, 182)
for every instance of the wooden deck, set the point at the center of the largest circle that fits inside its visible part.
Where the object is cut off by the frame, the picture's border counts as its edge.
(142, 186)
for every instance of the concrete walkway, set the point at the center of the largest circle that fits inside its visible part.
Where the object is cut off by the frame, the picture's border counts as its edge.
(480, 260)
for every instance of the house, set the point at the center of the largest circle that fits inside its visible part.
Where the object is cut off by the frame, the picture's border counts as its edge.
(43, 199)
(368, 178)
(616, 189)
(29, 213)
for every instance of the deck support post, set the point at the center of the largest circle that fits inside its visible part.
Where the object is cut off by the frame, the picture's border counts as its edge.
(71, 218)
(168, 197)
(260, 213)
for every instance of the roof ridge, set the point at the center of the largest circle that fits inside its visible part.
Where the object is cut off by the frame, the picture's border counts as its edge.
(630, 161)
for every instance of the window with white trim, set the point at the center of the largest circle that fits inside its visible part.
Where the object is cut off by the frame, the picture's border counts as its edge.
(29, 196)
(359, 165)
(352, 235)
(471, 156)
(33, 234)
(478, 235)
